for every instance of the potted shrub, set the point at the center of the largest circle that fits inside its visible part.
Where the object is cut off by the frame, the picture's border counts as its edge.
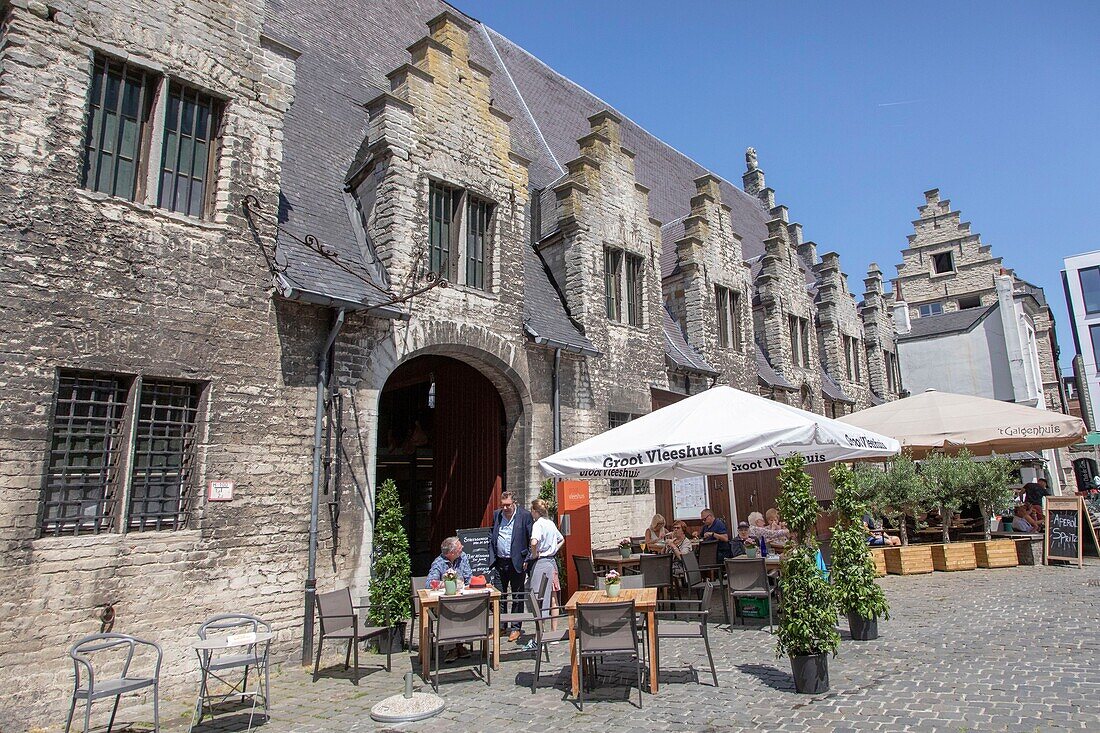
(991, 491)
(853, 570)
(807, 611)
(390, 569)
(624, 547)
(949, 479)
(612, 583)
(898, 493)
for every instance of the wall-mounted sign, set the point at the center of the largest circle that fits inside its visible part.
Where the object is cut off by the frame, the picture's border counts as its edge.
(689, 497)
(220, 491)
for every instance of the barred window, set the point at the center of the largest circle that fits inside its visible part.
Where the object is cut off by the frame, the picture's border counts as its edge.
(163, 449)
(478, 216)
(613, 294)
(635, 280)
(85, 448)
(115, 142)
(92, 450)
(123, 138)
(191, 122)
(729, 317)
(619, 486)
(440, 217)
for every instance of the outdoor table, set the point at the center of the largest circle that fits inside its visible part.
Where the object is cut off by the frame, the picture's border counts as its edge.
(645, 601)
(617, 562)
(429, 599)
(205, 649)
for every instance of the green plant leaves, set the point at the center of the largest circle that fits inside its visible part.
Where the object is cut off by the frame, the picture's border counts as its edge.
(391, 571)
(853, 570)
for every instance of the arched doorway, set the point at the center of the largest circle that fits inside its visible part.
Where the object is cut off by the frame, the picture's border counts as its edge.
(441, 438)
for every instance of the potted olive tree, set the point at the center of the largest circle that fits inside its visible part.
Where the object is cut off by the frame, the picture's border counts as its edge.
(991, 490)
(390, 570)
(949, 480)
(807, 624)
(853, 570)
(901, 494)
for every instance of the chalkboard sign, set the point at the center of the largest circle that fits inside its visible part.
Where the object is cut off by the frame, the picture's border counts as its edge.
(475, 543)
(1068, 529)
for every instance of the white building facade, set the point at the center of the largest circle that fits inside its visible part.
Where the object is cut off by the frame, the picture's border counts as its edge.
(1081, 281)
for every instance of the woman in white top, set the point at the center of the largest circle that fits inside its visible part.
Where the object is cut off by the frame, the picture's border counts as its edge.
(655, 534)
(546, 540)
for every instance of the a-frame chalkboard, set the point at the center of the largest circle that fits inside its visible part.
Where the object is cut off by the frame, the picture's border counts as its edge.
(1069, 530)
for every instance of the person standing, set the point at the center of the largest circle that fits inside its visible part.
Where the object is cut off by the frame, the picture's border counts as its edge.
(546, 540)
(509, 547)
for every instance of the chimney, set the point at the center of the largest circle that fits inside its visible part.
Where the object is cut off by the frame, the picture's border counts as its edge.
(902, 323)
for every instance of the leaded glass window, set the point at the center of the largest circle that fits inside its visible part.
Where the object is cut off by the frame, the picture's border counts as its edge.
(119, 105)
(478, 216)
(191, 122)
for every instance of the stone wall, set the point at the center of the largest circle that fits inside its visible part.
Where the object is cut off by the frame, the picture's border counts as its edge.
(709, 255)
(880, 338)
(838, 318)
(93, 282)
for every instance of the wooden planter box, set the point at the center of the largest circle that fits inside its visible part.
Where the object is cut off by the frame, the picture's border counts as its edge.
(878, 554)
(912, 560)
(955, 556)
(996, 554)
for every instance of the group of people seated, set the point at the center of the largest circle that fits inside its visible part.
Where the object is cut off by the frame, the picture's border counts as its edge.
(764, 531)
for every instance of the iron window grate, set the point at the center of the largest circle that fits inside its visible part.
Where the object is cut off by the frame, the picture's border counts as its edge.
(163, 450)
(85, 447)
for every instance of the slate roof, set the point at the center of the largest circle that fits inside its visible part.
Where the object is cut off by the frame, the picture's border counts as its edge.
(678, 351)
(767, 373)
(944, 323)
(832, 390)
(347, 48)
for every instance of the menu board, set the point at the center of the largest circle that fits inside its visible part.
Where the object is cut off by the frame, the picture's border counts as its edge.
(1068, 529)
(689, 497)
(475, 545)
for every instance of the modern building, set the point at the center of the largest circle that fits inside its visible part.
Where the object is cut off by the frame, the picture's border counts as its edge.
(1081, 284)
(969, 325)
(260, 257)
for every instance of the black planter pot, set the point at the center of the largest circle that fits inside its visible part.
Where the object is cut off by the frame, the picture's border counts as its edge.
(394, 641)
(811, 673)
(863, 629)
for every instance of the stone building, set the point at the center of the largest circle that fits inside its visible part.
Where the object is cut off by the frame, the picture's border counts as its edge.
(968, 324)
(225, 233)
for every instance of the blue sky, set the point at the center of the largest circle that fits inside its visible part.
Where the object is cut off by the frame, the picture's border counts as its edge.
(856, 108)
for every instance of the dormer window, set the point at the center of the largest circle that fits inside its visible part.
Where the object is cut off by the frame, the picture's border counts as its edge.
(942, 263)
(460, 229)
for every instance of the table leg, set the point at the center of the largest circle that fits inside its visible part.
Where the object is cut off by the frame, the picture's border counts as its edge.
(573, 657)
(425, 650)
(651, 624)
(496, 633)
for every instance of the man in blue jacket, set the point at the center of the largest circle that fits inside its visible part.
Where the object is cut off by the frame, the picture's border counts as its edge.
(509, 545)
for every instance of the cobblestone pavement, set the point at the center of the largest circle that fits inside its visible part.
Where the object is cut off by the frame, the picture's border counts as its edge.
(985, 650)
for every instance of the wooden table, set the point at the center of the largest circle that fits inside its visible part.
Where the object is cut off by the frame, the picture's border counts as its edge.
(645, 601)
(430, 599)
(616, 562)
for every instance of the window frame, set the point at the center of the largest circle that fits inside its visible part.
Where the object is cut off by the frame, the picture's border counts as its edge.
(212, 141)
(934, 258)
(148, 187)
(728, 305)
(799, 332)
(974, 300)
(1084, 295)
(624, 284)
(453, 265)
(934, 309)
(118, 488)
(625, 487)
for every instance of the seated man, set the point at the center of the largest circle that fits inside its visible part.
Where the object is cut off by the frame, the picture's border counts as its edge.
(876, 535)
(451, 557)
(742, 538)
(1021, 521)
(715, 529)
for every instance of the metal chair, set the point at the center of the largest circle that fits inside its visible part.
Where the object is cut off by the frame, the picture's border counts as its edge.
(458, 620)
(586, 572)
(544, 636)
(669, 625)
(417, 582)
(708, 556)
(226, 623)
(93, 689)
(625, 581)
(526, 614)
(693, 580)
(747, 578)
(657, 570)
(340, 621)
(603, 629)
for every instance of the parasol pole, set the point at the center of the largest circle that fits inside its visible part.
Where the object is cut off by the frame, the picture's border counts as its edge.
(733, 494)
